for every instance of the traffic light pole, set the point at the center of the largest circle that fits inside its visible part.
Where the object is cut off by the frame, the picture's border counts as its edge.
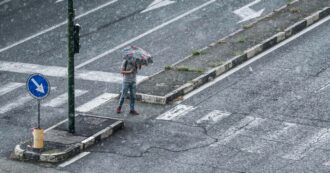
(71, 104)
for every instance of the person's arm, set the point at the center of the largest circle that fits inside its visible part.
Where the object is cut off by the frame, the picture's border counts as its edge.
(123, 71)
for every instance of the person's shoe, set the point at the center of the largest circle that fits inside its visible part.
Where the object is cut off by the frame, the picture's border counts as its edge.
(118, 110)
(133, 112)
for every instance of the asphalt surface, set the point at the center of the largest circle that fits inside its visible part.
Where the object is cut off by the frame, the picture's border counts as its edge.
(104, 30)
(274, 119)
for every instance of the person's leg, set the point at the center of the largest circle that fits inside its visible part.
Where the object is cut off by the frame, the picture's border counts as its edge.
(132, 90)
(122, 96)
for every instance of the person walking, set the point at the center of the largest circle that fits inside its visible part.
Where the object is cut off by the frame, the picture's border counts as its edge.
(129, 71)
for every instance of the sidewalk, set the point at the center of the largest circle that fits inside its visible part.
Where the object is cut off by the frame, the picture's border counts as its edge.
(61, 145)
(221, 56)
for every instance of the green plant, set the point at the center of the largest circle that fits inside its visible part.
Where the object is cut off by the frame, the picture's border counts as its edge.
(182, 68)
(289, 1)
(294, 10)
(215, 64)
(221, 42)
(247, 26)
(241, 40)
(198, 52)
(189, 69)
(168, 67)
(237, 53)
(200, 70)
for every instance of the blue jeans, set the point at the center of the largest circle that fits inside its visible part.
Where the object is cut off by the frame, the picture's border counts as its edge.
(131, 87)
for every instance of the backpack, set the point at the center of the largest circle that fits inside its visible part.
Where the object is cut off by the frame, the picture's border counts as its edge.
(125, 65)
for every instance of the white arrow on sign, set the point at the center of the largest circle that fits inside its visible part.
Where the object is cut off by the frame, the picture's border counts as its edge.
(40, 87)
(157, 4)
(246, 13)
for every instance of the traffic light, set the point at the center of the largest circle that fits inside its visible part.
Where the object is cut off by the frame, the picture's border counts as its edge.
(76, 38)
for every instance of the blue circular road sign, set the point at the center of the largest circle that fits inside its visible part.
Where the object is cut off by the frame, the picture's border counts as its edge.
(38, 86)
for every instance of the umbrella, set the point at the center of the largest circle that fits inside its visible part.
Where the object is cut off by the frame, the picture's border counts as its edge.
(137, 54)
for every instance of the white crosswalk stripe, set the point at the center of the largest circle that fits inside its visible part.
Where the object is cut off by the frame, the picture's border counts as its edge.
(301, 149)
(56, 71)
(20, 101)
(9, 87)
(176, 112)
(275, 135)
(326, 163)
(63, 98)
(213, 117)
(240, 128)
(257, 148)
(96, 102)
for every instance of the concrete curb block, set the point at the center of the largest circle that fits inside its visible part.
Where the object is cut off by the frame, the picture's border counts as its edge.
(150, 98)
(249, 53)
(71, 151)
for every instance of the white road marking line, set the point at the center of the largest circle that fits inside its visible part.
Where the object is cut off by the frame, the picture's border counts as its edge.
(326, 163)
(16, 103)
(58, 1)
(246, 13)
(261, 55)
(256, 148)
(238, 129)
(176, 112)
(272, 136)
(50, 128)
(63, 98)
(144, 34)
(56, 71)
(9, 87)
(104, 76)
(4, 2)
(300, 150)
(96, 102)
(324, 87)
(56, 26)
(213, 117)
(157, 4)
(74, 159)
(276, 134)
(27, 68)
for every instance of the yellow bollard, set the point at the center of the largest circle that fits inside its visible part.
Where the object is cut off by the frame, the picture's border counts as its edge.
(38, 138)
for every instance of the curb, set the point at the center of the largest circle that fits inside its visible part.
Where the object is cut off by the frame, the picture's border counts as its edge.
(232, 63)
(71, 151)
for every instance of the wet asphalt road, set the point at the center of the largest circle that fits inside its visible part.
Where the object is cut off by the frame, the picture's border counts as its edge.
(149, 145)
(271, 116)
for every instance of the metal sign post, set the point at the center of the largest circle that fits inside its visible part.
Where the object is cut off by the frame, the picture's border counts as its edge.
(38, 87)
(38, 114)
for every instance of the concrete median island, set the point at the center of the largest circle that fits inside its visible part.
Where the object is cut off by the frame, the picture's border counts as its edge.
(61, 145)
(221, 56)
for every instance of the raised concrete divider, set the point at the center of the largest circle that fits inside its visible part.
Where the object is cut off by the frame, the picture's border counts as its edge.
(152, 93)
(61, 145)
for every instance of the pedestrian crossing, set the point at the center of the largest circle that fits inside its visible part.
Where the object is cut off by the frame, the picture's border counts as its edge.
(247, 127)
(242, 127)
(61, 72)
(9, 87)
(176, 112)
(62, 99)
(14, 96)
(213, 117)
(271, 136)
(96, 102)
(20, 101)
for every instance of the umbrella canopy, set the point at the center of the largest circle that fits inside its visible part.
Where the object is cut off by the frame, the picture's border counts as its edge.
(137, 54)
